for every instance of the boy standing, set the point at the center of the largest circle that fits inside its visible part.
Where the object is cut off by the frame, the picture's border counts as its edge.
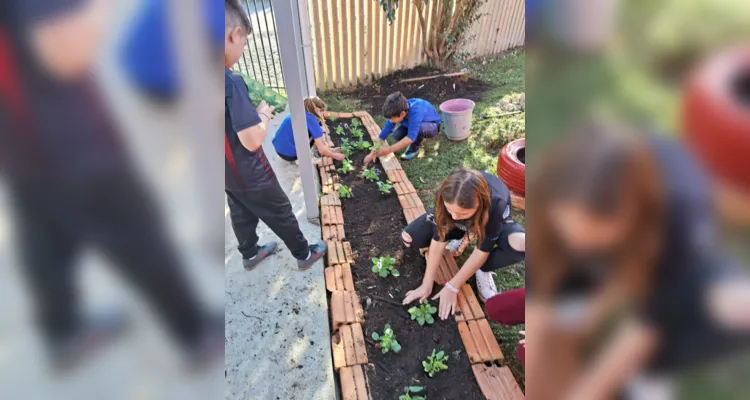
(253, 192)
(418, 119)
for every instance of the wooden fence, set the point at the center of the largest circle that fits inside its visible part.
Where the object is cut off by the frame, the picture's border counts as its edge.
(354, 43)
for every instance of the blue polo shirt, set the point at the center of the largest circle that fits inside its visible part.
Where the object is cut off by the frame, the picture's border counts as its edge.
(283, 141)
(419, 111)
(244, 170)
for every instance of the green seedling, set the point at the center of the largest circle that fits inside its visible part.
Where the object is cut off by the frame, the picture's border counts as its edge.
(387, 341)
(363, 145)
(370, 174)
(384, 266)
(435, 363)
(346, 150)
(411, 393)
(345, 192)
(332, 118)
(346, 167)
(423, 313)
(340, 131)
(385, 187)
(356, 132)
(378, 145)
(355, 123)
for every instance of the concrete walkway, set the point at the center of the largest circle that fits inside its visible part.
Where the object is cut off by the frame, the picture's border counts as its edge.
(277, 330)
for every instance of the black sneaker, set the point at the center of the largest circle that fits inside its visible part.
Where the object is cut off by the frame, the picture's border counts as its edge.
(316, 251)
(263, 252)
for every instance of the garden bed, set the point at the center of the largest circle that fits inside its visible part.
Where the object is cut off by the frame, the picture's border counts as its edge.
(373, 223)
(434, 90)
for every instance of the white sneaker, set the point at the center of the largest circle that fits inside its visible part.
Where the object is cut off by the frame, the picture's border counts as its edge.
(485, 285)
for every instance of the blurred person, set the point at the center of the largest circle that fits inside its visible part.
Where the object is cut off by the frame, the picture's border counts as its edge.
(149, 53)
(509, 308)
(626, 283)
(468, 202)
(283, 140)
(73, 186)
(252, 189)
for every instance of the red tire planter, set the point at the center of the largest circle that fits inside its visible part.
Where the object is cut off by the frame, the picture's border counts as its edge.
(511, 167)
(716, 116)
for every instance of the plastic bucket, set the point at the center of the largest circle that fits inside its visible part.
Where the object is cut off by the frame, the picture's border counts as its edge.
(457, 118)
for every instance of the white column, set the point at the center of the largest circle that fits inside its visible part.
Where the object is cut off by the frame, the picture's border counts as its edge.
(306, 30)
(290, 49)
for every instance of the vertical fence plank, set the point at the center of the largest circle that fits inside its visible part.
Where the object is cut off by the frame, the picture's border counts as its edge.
(504, 26)
(361, 50)
(326, 27)
(409, 34)
(346, 53)
(387, 29)
(320, 66)
(370, 30)
(520, 29)
(402, 31)
(336, 27)
(377, 22)
(491, 9)
(499, 24)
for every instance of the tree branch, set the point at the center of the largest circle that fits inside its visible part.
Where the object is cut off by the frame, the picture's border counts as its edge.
(423, 25)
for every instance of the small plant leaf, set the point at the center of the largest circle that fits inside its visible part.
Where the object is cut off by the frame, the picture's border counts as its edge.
(421, 321)
(395, 272)
(440, 355)
(416, 389)
(395, 347)
(429, 319)
(375, 336)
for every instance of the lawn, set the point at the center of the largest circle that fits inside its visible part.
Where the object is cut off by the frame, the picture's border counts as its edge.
(505, 78)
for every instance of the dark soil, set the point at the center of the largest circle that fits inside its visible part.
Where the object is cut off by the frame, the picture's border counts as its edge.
(373, 224)
(434, 91)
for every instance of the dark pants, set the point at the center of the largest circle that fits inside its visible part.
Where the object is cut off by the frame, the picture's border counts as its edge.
(114, 214)
(502, 255)
(272, 206)
(294, 157)
(509, 308)
(426, 130)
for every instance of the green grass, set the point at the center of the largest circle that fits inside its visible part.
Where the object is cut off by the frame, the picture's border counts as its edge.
(488, 135)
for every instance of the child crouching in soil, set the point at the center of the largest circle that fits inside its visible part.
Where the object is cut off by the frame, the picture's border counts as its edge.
(474, 203)
(283, 141)
(418, 120)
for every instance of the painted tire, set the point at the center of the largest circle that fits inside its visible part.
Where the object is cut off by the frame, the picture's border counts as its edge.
(716, 115)
(510, 168)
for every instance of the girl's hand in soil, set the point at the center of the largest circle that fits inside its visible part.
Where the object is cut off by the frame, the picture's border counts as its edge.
(421, 293)
(448, 301)
(338, 156)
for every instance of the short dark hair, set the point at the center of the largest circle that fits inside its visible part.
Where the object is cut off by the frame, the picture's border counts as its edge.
(234, 17)
(394, 105)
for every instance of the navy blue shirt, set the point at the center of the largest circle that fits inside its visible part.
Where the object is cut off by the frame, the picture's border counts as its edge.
(419, 111)
(244, 170)
(499, 211)
(283, 141)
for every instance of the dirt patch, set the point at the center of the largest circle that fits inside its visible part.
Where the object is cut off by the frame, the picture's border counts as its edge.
(435, 90)
(373, 224)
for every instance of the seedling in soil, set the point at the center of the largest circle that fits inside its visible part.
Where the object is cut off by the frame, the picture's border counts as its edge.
(387, 342)
(356, 132)
(346, 167)
(384, 266)
(423, 313)
(371, 174)
(340, 131)
(385, 187)
(378, 145)
(332, 118)
(363, 145)
(411, 393)
(345, 192)
(346, 150)
(435, 363)
(356, 123)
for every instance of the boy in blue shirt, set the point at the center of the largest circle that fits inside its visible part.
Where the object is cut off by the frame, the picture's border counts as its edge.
(283, 141)
(418, 120)
(253, 192)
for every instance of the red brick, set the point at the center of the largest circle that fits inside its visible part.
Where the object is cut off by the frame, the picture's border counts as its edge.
(333, 257)
(346, 271)
(471, 299)
(348, 383)
(518, 201)
(469, 344)
(339, 353)
(463, 307)
(497, 383)
(338, 310)
(479, 342)
(348, 339)
(325, 229)
(348, 255)
(360, 350)
(489, 339)
(338, 277)
(340, 232)
(415, 200)
(339, 215)
(340, 251)
(325, 215)
(330, 279)
(361, 382)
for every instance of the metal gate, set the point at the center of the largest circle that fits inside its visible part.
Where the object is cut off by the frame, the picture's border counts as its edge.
(260, 58)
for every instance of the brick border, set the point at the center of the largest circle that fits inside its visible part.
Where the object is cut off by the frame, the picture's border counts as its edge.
(348, 346)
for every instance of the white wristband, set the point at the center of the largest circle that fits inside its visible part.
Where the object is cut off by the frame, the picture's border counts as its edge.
(450, 287)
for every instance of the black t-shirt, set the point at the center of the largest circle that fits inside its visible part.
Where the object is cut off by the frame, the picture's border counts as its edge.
(244, 170)
(499, 210)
